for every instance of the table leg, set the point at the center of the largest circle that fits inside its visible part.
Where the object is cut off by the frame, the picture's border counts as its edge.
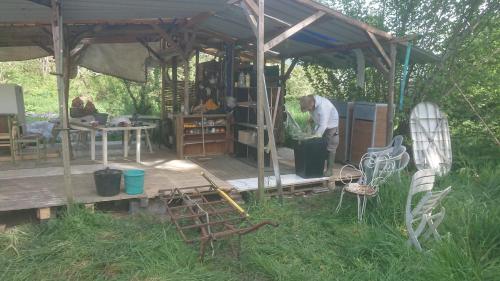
(92, 145)
(148, 141)
(125, 143)
(138, 145)
(105, 147)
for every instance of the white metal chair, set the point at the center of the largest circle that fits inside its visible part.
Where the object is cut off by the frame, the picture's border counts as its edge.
(422, 215)
(375, 169)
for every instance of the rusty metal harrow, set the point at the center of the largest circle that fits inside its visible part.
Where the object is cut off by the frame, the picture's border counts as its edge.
(204, 214)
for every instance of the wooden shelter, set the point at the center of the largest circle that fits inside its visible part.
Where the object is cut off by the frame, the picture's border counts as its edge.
(118, 38)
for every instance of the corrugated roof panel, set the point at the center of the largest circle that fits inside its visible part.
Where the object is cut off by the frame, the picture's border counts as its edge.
(229, 20)
(21, 10)
(133, 9)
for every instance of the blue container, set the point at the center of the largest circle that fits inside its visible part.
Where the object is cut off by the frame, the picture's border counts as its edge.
(134, 181)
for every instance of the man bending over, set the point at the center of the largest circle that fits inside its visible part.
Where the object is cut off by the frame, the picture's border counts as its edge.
(326, 122)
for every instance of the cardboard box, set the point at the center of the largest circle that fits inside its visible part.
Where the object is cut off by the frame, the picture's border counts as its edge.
(248, 137)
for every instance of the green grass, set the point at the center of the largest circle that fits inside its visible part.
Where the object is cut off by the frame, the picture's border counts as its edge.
(311, 243)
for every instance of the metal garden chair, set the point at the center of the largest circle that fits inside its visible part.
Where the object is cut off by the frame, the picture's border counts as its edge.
(375, 168)
(422, 215)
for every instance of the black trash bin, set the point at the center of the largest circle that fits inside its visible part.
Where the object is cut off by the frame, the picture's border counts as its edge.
(310, 157)
(107, 181)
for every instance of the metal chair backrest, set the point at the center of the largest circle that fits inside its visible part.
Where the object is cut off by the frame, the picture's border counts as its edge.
(377, 167)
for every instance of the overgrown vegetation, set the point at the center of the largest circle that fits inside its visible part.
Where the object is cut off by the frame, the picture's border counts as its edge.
(466, 34)
(311, 243)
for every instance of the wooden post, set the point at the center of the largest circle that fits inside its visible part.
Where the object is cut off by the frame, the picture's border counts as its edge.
(66, 76)
(174, 85)
(163, 109)
(260, 101)
(196, 69)
(43, 214)
(58, 41)
(390, 102)
(186, 85)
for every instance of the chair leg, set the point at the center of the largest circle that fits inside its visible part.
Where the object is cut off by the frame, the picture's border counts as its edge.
(360, 213)
(37, 151)
(340, 202)
(364, 206)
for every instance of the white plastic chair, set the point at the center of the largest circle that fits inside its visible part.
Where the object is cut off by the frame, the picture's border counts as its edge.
(375, 169)
(422, 215)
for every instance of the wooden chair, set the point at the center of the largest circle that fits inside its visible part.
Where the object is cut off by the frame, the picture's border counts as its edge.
(375, 168)
(422, 215)
(20, 140)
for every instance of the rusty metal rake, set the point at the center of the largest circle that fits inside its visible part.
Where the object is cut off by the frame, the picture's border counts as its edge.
(204, 214)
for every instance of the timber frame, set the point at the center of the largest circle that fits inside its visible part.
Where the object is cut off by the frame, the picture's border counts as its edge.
(67, 39)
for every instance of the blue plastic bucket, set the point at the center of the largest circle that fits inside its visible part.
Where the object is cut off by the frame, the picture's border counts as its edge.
(134, 181)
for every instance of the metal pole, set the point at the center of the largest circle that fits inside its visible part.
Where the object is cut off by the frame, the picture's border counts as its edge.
(58, 40)
(390, 106)
(260, 101)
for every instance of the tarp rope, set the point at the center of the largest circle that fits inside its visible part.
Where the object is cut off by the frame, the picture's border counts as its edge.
(405, 75)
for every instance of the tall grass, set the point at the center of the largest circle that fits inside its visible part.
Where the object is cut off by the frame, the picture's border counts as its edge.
(311, 243)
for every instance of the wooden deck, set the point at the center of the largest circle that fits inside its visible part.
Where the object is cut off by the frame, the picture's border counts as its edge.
(43, 187)
(29, 186)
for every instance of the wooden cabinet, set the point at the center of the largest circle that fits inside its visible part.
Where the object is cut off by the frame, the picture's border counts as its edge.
(369, 128)
(202, 134)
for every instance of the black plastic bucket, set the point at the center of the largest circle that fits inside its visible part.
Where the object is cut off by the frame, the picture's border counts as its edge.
(107, 181)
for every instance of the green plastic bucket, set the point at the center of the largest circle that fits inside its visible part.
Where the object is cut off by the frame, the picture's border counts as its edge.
(134, 181)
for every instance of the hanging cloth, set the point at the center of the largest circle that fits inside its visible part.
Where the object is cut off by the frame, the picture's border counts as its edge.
(403, 77)
(360, 70)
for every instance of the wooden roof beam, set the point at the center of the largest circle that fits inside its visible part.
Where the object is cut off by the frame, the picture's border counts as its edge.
(379, 47)
(96, 21)
(252, 6)
(155, 54)
(292, 30)
(251, 17)
(290, 69)
(167, 37)
(341, 17)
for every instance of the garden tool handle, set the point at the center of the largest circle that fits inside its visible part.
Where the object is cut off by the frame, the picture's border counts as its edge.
(225, 196)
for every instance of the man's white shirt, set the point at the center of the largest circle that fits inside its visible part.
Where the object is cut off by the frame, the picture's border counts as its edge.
(325, 115)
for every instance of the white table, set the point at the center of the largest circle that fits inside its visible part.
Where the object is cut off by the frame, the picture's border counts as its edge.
(126, 131)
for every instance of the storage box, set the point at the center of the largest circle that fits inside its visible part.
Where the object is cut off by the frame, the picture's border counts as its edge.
(248, 137)
(310, 157)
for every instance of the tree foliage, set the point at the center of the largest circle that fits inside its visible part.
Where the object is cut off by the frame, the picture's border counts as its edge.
(466, 34)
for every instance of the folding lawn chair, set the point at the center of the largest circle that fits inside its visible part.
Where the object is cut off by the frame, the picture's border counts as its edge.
(422, 215)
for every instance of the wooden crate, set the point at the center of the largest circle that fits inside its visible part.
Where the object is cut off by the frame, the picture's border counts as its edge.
(369, 129)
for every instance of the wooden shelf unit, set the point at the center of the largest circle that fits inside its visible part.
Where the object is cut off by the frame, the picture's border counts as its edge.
(199, 135)
(245, 116)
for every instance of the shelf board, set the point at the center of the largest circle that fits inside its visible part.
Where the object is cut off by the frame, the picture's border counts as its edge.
(206, 126)
(205, 134)
(206, 141)
(246, 104)
(204, 115)
(249, 125)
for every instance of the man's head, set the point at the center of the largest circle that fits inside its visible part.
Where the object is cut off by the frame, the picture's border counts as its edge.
(307, 103)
